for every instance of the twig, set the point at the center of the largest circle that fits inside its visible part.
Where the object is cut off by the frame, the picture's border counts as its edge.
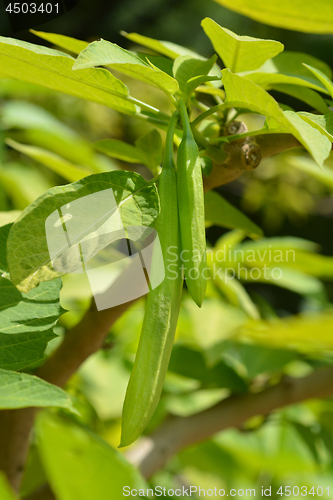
(176, 433)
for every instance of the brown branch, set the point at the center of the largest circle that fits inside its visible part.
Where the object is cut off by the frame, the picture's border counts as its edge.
(78, 344)
(176, 433)
(239, 156)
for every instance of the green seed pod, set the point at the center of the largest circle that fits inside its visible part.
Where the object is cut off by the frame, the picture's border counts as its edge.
(191, 211)
(162, 309)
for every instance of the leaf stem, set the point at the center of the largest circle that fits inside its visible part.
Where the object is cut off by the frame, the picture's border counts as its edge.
(209, 112)
(168, 161)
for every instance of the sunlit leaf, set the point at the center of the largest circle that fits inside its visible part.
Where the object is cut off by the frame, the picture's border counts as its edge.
(96, 470)
(239, 53)
(109, 54)
(309, 96)
(67, 170)
(53, 69)
(309, 17)
(20, 390)
(28, 251)
(220, 212)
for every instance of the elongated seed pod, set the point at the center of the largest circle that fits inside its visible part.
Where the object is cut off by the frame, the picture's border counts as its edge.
(162, 309)
(191, 211)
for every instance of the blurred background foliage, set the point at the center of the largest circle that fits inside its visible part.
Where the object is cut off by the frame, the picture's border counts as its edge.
(247, 335)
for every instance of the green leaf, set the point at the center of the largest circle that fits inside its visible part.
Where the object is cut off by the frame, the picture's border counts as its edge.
(260, 359)
(28, 253)
(191, 363)
(97, 471)
(120, 150)
(171, 50)
(289, 68)
(20, 390)
(53, 69)
(65, 42)
(67, 170)
(308, 17)
(151, 148)
(309, 96)
(6, 493)
(197, 81)
(239, 53)
(22, 184)
(322, 77)
(148, 150)
(110, 54)
(242, 93)
(220, 212)
(186, 67)
(26, 322)
(236, 293)
(168, 49)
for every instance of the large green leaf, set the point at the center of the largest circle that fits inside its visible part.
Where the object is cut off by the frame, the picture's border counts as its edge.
(128, 201)
(67, 170)
(96, 470)
(53, 69)
(109, 54)
(289, 68)
(20, 390)
(239, 53)
(26, 321)
(243, 93)
(309, 17)
(220, 212)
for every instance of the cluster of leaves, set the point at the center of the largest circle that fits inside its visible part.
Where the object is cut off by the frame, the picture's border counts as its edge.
(244, 341)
